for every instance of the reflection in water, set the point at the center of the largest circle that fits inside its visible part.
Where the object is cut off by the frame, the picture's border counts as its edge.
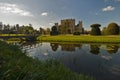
(112, 48)
(54, 46)
(65, 47)
(95, 49)
(89, 59)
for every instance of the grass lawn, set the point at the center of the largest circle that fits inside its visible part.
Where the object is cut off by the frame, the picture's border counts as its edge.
(12, 34)
(81, 39)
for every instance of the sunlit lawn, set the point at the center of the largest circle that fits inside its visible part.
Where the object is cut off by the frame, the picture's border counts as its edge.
(12, 34)
(81, 38)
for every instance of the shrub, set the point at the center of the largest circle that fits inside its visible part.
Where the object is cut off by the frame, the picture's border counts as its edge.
(95, 29)
(76, 33)
(54, 31)
(113, 29)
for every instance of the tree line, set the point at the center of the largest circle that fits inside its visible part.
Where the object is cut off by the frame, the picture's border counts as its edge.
(111, 29)
(24, 29)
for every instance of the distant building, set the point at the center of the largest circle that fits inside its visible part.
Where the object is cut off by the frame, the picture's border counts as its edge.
(1, 26)
(68, 26)
(79, 27)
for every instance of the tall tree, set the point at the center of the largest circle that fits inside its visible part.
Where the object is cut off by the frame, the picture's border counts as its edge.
(95, 29)
(113, 29)
(104, 31)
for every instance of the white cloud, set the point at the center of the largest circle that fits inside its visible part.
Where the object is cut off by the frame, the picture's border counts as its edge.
(14, 9)
(51, 23)
(44, 14)
(108, 8)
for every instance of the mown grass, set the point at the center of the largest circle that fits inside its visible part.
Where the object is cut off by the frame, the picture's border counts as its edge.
(81, 39)
(12, 34)
(15, 65)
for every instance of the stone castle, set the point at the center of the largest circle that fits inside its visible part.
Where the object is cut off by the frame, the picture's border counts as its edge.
(68, 26)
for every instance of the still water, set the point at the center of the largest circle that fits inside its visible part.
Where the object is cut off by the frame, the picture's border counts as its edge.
(101, 61)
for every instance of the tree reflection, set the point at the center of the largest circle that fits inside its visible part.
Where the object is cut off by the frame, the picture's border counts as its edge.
(54, 46)
(67, 47)
(70, 47)
(112, 48)
(95, 49)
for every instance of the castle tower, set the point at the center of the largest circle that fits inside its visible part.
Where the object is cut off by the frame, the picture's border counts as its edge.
(67, 26)
(1, 25)
(79, 27)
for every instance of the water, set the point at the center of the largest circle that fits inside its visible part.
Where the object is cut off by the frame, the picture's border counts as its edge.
(101, 61)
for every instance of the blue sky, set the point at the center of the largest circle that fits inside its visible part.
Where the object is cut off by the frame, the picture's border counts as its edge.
(43, 13)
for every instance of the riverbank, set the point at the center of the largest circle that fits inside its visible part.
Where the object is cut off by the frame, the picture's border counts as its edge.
(80, 39)
(15, 65)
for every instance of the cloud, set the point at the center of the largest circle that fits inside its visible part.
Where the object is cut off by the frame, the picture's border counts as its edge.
(44, 14)
(108, 8)
(13, 9)
(51, 23)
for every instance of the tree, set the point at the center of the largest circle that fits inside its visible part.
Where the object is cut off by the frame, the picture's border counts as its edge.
(47, 31)
(28, 29)
(104, 31)
(95, 29)
(113, 29)
(42, 31)
(54, 31)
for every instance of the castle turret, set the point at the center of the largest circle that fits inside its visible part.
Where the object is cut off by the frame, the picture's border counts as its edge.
(79, 27)
(1, 25)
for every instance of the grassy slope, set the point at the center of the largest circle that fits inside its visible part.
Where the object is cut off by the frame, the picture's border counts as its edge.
(82, 38)
(15, 65)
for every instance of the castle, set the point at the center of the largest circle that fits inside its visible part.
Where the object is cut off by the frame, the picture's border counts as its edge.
(68, 26)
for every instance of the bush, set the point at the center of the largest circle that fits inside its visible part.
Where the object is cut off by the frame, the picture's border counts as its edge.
(95, 29)
(54, 33)
(76, 33)
(113, 29)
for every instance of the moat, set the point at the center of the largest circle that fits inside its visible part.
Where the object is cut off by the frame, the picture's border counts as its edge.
(101, 61)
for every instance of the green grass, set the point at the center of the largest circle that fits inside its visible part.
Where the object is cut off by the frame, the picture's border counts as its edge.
(81, 39)
(12, 34)
(15, 65)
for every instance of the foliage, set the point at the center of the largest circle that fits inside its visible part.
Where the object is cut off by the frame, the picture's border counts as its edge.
(76, 33)
(54, 31)
(95, 25)
(104, 31)
(113, 29)
(27, 29)
(15, 65)
(95, 29)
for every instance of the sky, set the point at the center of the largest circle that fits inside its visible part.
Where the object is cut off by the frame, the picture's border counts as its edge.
(44, 13)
